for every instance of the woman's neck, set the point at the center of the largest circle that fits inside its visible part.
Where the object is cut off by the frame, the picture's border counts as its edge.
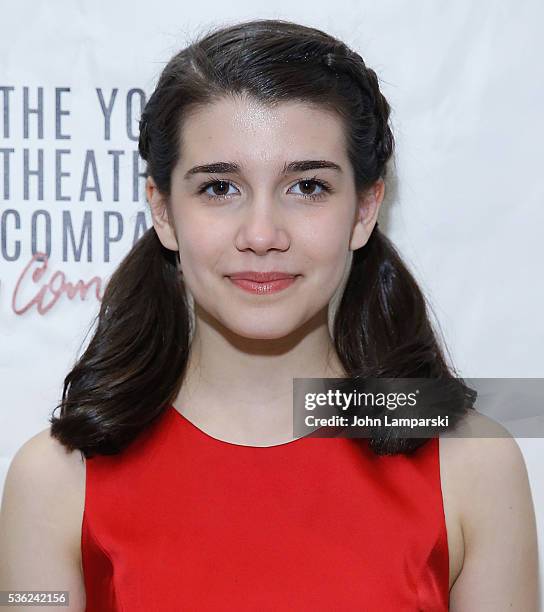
(241, 389)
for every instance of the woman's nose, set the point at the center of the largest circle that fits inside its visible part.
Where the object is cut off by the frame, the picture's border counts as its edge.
(262, 227)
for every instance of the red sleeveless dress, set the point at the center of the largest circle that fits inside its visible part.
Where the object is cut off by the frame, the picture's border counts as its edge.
(181, 521)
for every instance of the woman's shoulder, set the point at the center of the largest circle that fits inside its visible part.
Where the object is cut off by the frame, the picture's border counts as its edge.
(482, 463)
(480, 447)
(46, 460)
(486, 493)
(40, 521)
(45, 471)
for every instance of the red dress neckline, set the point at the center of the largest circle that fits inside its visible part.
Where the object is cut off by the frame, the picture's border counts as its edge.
(171, 408)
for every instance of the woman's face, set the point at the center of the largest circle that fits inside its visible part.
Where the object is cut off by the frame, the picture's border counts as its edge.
(266, 214)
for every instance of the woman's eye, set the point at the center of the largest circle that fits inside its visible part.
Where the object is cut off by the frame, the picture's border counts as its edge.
(308, 188)
(219, 189)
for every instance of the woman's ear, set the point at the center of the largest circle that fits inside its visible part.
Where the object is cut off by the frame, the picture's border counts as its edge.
(368, 207)
(159, 214)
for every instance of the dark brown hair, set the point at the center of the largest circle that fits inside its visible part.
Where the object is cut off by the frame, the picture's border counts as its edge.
(136, 360)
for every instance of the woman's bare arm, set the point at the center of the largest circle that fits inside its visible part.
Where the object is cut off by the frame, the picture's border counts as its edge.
(40, 521)
(500, 567)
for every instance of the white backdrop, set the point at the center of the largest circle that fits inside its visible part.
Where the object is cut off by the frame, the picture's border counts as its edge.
(465, 83)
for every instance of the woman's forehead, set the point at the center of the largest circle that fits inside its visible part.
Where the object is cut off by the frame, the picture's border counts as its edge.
(255, 133)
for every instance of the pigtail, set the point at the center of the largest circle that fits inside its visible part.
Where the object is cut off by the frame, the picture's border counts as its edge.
(135, 361)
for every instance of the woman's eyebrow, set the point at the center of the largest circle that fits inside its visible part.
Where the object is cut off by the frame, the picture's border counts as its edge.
(234, 168)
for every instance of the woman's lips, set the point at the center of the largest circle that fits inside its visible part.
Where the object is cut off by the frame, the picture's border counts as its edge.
(264, 287)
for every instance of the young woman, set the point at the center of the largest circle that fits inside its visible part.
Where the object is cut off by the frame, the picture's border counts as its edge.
(171, 479)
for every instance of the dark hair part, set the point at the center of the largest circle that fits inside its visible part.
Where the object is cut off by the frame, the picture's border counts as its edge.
(136, 360)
